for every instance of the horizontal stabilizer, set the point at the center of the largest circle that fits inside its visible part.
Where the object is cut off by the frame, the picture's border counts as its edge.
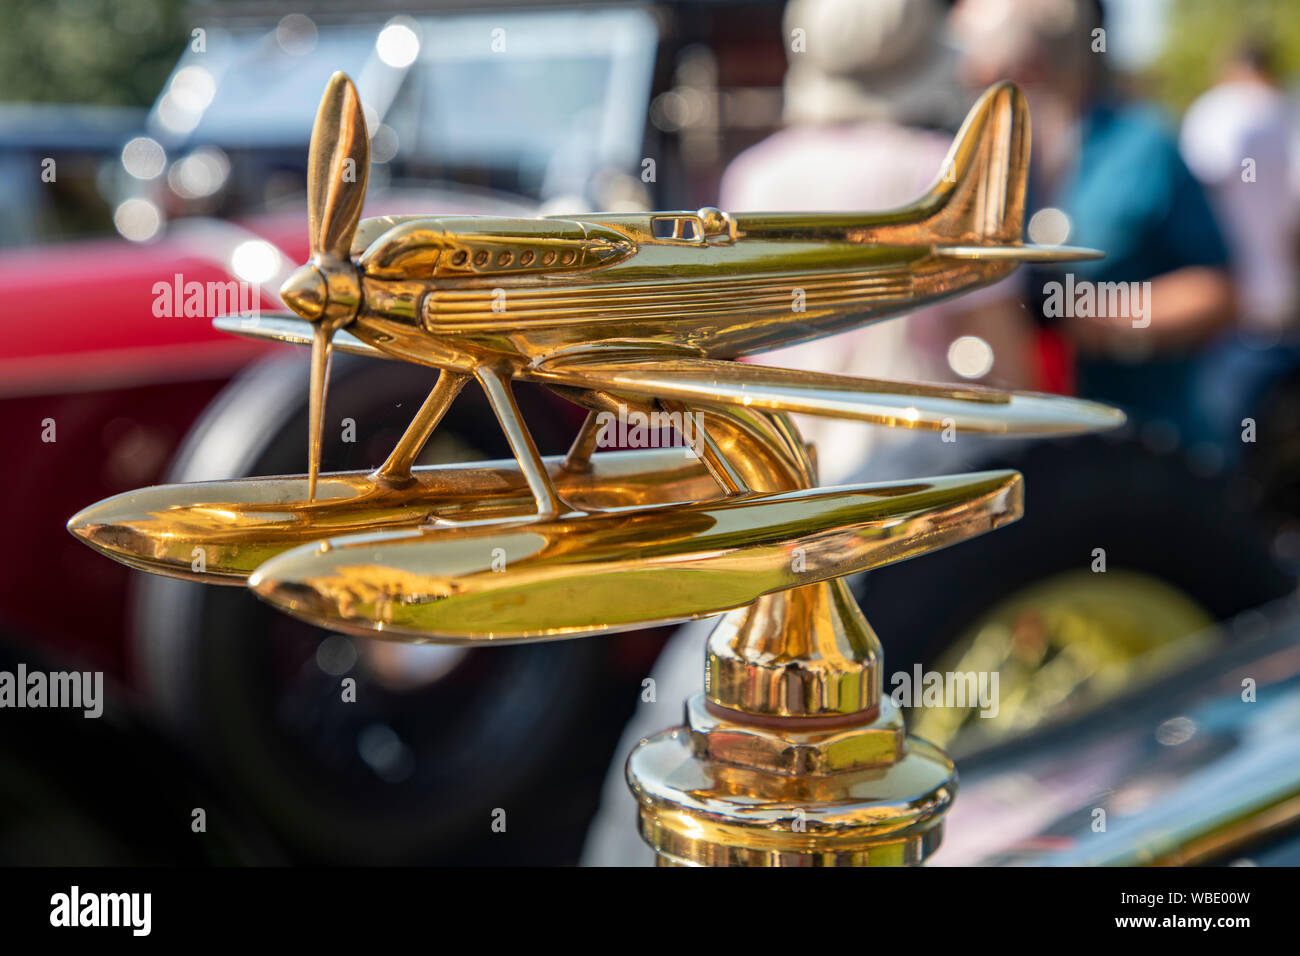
(1018, 253)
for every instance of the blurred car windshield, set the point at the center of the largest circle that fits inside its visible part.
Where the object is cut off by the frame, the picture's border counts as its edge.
(567, 91)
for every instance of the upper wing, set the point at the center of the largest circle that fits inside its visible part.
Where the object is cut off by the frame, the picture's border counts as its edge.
(287, 327)
(669, 375)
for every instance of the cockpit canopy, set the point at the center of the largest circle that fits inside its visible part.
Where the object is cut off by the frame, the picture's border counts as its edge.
(472, 246)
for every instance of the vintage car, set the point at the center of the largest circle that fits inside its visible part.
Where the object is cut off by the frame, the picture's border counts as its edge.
(118, 384)
(110, 389)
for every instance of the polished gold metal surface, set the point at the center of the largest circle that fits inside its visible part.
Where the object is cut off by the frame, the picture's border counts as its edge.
(327, 290)
(710, 795)
(791, 756)
(586, 573)
(240, 524)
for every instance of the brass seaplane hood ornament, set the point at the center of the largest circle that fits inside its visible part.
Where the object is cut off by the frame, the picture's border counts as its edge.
(791, 755)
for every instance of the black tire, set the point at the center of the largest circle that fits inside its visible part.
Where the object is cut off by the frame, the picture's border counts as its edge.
(525, 729)
(1149, 511)
(1272, 461)
(107, 790)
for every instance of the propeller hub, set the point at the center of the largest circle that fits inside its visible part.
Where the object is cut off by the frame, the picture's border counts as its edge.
(306, 292)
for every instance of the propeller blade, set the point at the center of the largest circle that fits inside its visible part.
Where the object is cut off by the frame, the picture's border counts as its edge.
(338, 165)
(322, 338)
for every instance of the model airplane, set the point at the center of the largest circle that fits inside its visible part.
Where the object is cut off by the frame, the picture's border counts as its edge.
(636, 311)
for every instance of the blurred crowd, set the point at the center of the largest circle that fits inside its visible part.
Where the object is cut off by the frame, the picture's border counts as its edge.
(1200, 224)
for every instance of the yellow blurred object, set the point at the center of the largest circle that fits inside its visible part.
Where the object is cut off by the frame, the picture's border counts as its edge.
(1066, 644)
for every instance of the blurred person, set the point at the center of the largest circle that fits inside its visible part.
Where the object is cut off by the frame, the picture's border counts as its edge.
(869, 108)
(1114, 169)
(1237, 139)
(870, 105)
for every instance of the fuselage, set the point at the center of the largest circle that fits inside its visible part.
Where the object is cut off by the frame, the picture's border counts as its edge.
(455, 292)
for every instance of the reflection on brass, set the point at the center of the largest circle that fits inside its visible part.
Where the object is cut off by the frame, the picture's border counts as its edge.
(790, 756)
(243, 523)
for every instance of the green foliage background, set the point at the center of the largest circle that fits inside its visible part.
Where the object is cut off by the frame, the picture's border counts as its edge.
(108, 52)
(1203, 33)
(119, 52)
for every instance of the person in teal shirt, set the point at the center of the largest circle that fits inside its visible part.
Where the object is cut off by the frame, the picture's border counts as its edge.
(1131, 195)
(1114, 171)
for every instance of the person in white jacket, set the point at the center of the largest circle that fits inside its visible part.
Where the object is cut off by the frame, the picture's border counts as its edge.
(1236, 138)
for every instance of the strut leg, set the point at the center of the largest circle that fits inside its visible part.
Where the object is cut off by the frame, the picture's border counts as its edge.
(318, 384)
(584, 445)
(723, 472)
(521, 442)
(397, 469)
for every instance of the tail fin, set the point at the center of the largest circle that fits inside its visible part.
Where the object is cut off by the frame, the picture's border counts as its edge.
(978, 201)
(980, 192)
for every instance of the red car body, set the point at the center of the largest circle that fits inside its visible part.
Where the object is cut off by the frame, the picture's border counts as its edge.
(84, 351)
(82, 346)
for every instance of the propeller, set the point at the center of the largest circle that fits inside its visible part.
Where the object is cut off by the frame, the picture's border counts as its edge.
(326, 291)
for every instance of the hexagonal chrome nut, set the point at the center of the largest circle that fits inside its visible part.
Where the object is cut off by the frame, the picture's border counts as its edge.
(878, 743)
